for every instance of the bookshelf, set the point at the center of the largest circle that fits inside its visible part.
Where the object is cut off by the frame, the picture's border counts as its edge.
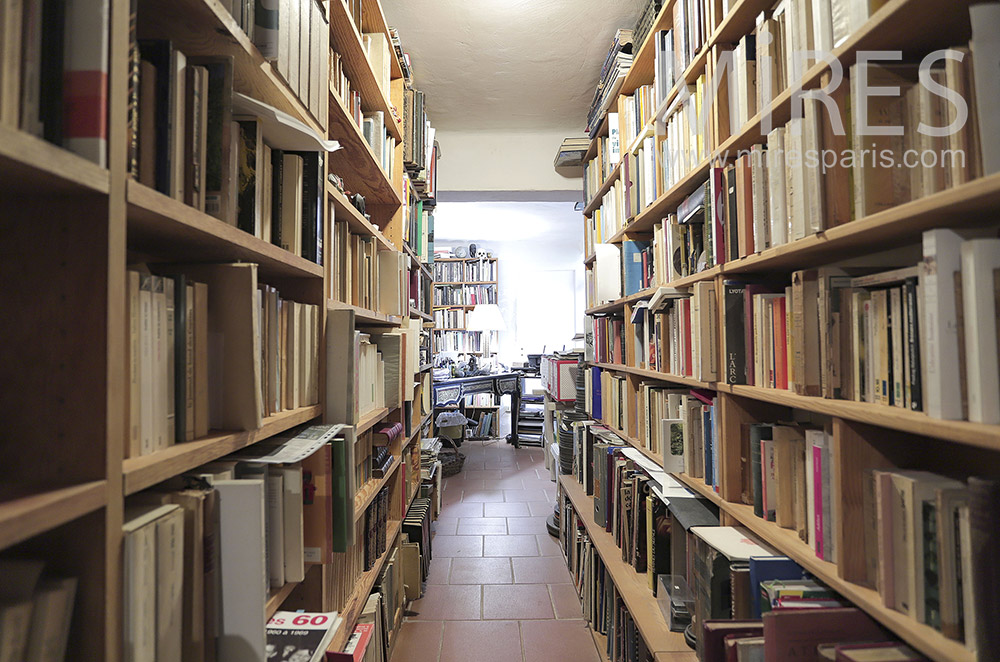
(863, 434)
(456, 280)
(72, 227)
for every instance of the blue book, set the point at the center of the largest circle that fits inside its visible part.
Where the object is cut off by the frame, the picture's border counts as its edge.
(595, 392)
(766, 568)
(632, 265)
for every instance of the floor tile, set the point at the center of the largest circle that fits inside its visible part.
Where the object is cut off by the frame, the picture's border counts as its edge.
(419, 641)
(462, 509)
(526, 601)
(493, 570)
(565, 600)
(449, 603)
(483, 496)
(444, 526)
(452, 546)
(506, 509)
(466, 485)
(481, 641)
(540, 570)
(545, 641)
(548, 546)
(481, 474)
(480, 526)
(540, 508)
(527, 525)
(509, 546)
(524, 495)
(503, 484)
(439, 570)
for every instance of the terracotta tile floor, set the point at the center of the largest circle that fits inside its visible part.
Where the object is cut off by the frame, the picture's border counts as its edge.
(498, 589)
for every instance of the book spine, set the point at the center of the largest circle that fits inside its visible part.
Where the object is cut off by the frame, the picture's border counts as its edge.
(85, 79)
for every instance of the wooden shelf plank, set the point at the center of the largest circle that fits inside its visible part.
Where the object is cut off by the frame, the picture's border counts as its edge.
(368, 421)
(416, 312)
(367, 494)
(22, 517)
(964, 205)
(355, 219)
(589, 260)
(632, 586)
(364, 316)
(619, 304)
(352, 609)
(595, 202)
(924, 638)
(346, 40)
(355, 161)
(666, 203)
(277, 596)
(148, 470)
(205, 27)
(32, 166)
(418, 428)
(654, 374)
(416, 260)
(915, 422)
(168, 228)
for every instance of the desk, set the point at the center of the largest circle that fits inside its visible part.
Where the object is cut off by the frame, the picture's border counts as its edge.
(451, 391)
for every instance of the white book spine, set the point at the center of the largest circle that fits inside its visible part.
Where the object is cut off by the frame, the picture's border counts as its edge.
(942, 392)
(980, 259)
(985, 44)
(293, 538)
(778, 211)
(169, 585)
(275, 528)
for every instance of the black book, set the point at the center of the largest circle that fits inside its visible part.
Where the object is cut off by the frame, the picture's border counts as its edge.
(51, 70)
(984, 511)
(277, 172)
(246, 177)
(312, 185)
(912, 322)
(219, 169)
(160, 54)
(758, 433)
(735, 350)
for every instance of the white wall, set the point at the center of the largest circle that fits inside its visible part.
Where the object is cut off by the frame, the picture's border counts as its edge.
(540, 249)
(501, 161)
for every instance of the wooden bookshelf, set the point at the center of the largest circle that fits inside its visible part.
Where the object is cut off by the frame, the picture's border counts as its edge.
(30, 165)
(926, 639)
(276, 596)
(158, 223)
(654, 374)
(25, 515)
(367, 493)
(368, 421)
(355, 219)
(148, 470)
(632, 586)
(347, 41)
(364, 316)
(865, 435)
(595, 202)
(416, 312)
(356, 156)
(363, 589)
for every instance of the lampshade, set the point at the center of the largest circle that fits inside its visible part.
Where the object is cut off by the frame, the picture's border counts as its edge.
(485, 317)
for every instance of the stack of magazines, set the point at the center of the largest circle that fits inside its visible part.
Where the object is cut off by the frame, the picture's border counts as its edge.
(616, 66)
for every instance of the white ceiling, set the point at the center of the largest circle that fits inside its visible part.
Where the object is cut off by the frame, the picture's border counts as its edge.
(509, 64)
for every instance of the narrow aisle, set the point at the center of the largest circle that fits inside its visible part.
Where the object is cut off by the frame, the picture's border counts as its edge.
(498, 589)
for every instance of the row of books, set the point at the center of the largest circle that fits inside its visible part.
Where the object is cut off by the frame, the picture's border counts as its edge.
(616, 65)
(482, 270)
(918, 338)
(677, 332)
(418, 231)
(55, 72)
(603, 606)
(382, 144)
(340, 85)
(722, 578)
(418, 135)
(294, 36)
(450, 272)
(177, 393)
(420, 288)
(36, 611)
(598, 169)
(465, 295)
(202, 550)
(462, 341)
(449, 318)
(634, 113)
(365, 276)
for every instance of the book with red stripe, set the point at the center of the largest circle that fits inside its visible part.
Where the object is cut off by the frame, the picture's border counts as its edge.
(85, 79)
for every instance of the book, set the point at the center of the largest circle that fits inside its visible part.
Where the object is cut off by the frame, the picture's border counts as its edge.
(793, 634)
(308, 634)
(85, 79)
(985, 19)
